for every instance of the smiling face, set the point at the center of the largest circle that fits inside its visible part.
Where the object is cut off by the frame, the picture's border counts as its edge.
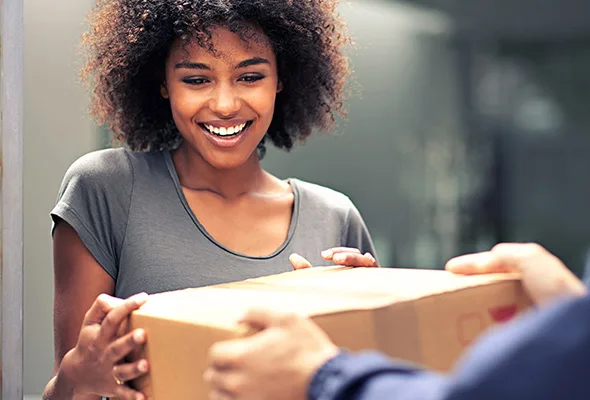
(222, 103)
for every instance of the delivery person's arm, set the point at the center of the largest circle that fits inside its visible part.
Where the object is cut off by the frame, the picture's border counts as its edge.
(546, 355)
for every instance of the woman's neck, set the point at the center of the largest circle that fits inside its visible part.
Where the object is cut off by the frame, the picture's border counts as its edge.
(195, 173)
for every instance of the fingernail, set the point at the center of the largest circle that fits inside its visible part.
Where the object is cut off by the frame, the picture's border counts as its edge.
(326, 253)
(139, 336)
(140, 298)
(452, 264)
(142, 366)
(483, 260)
(339, 258)
(461, 260)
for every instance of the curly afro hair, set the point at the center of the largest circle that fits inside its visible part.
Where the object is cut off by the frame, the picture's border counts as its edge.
(129, 40)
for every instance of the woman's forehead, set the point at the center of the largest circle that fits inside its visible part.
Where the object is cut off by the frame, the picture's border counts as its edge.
(226, 46)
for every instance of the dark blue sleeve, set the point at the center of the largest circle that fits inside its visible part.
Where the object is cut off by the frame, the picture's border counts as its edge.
(543, 356)
(372, 376)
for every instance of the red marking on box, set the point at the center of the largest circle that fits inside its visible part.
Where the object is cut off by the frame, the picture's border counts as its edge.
(502, 314)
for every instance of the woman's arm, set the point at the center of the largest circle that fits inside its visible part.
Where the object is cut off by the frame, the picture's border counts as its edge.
(79, 280)
(86, 326)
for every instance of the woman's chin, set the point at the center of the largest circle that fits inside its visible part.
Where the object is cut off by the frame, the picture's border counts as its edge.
(230, 160)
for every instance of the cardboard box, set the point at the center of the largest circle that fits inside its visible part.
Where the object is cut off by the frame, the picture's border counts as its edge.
(423, 316)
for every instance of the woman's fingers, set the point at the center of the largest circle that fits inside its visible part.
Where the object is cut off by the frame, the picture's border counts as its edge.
(355, 260)
(121, 347)
(123, 392)
(112, 321)
(299, 262)
(345, 256)
(100, 309)
(328, 254)
(130, 371)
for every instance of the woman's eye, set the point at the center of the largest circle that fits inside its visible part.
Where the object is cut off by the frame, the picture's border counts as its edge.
(251, 78)
(195, 81)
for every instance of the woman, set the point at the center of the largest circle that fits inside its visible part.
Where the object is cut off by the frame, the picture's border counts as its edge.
(194, 89)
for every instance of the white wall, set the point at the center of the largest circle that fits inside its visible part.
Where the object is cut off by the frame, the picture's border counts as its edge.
(56, 132)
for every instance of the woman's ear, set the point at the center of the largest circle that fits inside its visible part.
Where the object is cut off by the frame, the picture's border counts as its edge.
(164, 90)
(280, 86)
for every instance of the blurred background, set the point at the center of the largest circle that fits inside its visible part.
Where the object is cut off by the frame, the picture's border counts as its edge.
(468, 126)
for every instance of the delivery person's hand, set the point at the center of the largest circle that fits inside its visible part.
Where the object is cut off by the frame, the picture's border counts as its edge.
(345, 256)
(544, 276)
(277, 363)
(95, 364)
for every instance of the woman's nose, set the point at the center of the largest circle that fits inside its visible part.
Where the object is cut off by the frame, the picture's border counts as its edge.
(225, 101)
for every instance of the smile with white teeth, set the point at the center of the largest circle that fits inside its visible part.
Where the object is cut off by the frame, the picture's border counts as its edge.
(234, 130)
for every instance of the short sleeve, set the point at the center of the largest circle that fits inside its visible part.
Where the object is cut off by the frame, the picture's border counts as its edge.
(94, 198)
(356, 232)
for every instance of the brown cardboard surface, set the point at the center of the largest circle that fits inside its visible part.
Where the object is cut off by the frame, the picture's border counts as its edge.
(423, 316)
(403, 284)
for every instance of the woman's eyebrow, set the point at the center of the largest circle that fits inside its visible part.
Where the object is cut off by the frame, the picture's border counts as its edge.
(192, 65)
(252, 61)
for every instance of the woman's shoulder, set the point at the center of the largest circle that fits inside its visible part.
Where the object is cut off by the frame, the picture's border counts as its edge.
(99, 163)
(99, 185)
(109, 166)
(322, 196)
(95, 175)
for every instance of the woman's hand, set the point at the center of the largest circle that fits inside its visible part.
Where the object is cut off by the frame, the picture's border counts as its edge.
(544, 276)
(345, 256)
(95, 364)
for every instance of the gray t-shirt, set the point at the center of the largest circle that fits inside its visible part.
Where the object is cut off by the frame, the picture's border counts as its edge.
(130, 211)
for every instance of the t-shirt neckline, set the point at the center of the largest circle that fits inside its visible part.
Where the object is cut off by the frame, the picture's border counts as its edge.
(292, 226)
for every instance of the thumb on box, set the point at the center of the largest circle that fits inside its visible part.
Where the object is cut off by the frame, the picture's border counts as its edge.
(299, 262)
